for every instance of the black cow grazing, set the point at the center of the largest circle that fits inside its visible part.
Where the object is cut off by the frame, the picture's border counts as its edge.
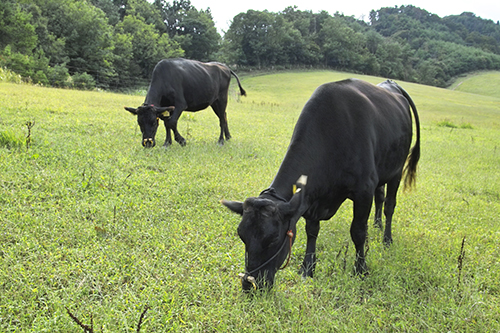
(183, 85)
(351, 139)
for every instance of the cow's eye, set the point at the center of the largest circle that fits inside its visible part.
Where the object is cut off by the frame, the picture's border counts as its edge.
(268, 211)
(269, 241)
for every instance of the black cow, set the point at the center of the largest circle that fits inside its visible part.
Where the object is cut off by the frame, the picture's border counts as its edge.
(351, 139)
(183, 85)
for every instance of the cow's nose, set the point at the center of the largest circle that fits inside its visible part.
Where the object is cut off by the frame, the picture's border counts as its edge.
(247, 286)
(148, 143)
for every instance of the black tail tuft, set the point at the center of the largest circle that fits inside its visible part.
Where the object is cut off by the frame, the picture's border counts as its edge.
(242, 91)
(410, 169)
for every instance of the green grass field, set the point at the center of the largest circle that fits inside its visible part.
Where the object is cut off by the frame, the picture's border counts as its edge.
(92, 222)
(481, 83)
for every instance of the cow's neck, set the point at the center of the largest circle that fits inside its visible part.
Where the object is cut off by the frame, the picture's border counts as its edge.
(153, 97)
(299, 160)
(284, 182)
(270, 193)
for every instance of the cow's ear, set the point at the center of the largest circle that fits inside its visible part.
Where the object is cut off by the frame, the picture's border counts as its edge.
(235, 206)
(131, 110)
(165, 111)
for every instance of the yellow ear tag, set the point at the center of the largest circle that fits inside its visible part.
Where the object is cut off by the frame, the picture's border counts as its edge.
(166, 114)
(294, 189)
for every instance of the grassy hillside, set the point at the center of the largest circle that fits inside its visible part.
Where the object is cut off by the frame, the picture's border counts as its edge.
(481, 83)
(92, 222)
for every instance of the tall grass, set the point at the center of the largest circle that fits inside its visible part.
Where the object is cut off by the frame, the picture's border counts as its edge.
(92, 222)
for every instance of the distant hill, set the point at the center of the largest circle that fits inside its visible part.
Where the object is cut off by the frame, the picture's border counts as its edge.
(481, 83)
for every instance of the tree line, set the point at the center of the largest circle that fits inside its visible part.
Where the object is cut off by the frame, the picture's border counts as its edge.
(115, 44)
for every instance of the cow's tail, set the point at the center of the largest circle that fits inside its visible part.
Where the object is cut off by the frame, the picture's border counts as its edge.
(242, 91)
(410, 169)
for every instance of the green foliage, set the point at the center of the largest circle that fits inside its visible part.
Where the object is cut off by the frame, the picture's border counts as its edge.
(7, 75)
(16, 27)
(118, 43)
(142, 48)
(93, 222)
(83, 81)
(193, 29)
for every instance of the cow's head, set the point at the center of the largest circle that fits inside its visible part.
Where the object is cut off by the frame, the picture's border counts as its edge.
(148, 117)
(268, 230)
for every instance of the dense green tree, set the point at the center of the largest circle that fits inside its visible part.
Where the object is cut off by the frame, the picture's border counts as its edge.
(341, 45)
(79, 38)
(303, 27)
(198, 36)
(248, 37)
(111, 8)
(148, 12)
(395, 60)
(265, 39)
(139, 47)
(193, 29)
(16, 28)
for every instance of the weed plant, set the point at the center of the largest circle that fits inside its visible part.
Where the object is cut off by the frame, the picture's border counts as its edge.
(92, 222)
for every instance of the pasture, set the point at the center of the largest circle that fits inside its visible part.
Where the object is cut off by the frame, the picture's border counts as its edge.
(92, 222)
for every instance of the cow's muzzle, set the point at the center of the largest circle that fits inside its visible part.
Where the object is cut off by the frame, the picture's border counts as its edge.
(247, 281)
(148, 143)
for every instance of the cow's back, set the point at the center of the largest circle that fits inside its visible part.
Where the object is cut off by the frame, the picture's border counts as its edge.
(195, 81)
(350, 135)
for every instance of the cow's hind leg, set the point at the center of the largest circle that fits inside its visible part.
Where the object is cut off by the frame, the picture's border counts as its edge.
(219, 108)
(379, 202)
(390, 205)
(362, 206)
(309, 263)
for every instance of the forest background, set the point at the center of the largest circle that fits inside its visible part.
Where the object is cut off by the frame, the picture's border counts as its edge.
(115, 44)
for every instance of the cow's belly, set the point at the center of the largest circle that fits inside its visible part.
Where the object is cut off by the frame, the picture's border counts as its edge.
(198, 107)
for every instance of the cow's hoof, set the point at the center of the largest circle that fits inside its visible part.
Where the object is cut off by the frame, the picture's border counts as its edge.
(182, 142)
(360, 268)
(306, 272)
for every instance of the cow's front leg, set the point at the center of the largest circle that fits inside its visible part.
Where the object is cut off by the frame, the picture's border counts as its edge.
(171, 124)
(168, 137)
(178, 137)
(309, 263)
(362, 206)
